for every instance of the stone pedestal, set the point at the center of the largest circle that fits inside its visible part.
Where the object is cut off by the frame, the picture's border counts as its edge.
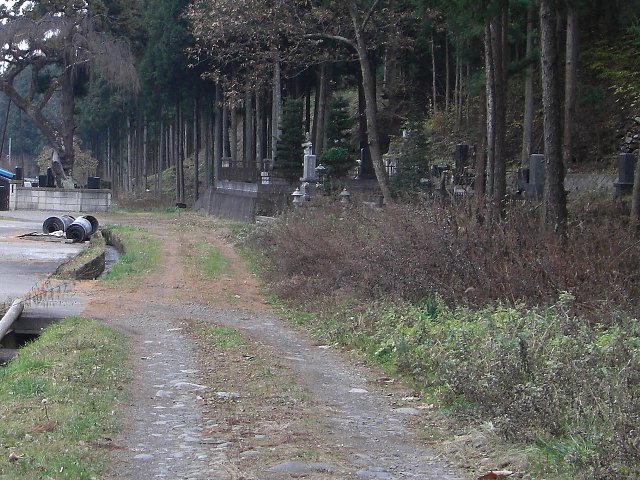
(309, 171)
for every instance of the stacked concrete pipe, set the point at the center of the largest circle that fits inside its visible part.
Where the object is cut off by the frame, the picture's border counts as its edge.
(57, 224)
(82, 228)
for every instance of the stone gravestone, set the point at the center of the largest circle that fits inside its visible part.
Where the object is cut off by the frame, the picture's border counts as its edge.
(626, 168)
(309, 171)
(309, 165)
(535, 187)
(462, 159)
(462, 155)
(366, 164)
(51, 182)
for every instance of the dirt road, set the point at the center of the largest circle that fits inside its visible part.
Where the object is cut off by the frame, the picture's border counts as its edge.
(273, 405)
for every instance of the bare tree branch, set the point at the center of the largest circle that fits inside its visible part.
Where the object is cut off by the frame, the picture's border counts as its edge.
(369, 14)
(54, 47)
(335, 38)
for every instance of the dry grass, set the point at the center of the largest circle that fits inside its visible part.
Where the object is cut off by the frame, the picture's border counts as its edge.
(411, 253)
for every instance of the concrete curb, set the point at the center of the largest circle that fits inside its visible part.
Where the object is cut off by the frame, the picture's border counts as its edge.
(88, 265)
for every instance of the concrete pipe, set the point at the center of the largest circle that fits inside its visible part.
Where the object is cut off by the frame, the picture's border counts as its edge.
(94, 223)
(11, 316)
(79, 230)
(55, 224)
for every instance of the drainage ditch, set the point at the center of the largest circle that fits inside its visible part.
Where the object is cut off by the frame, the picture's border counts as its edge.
(29, 326)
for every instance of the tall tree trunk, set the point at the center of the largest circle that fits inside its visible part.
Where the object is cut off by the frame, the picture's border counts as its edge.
(276, 108)
(184, 153)
(68, 121)
(233, 135)
(447, 74)
(321, 110)
(161, 156)
(226, 143)
(129, 184)
(261, 130)
(196, 158)
(179, 156)
(527, 128)
(434, 91)
(491, 108)
(368, 83)
(458, 91)
(366, 169)
(499, 77)
(170, 144)
(635, 201)
(145, 153)
(481, 153)
(570, 84)
(218, 131)
(307, 102)
(175, 147)
(109, 167)
(249, 131)
(554, 201)
(206, 131)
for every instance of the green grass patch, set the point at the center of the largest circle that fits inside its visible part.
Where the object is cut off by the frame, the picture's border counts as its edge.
(211, 262)
(57, 397)
(140, 254)
(542, 376)
(223, 337)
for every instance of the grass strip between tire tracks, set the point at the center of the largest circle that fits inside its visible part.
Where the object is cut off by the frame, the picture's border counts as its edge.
(140, 254)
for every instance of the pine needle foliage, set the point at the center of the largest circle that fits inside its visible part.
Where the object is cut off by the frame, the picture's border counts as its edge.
(290, 153)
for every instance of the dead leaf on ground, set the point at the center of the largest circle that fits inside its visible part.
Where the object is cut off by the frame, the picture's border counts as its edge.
(44, 427)
(496, 475)
(107, 444)
(14, 457)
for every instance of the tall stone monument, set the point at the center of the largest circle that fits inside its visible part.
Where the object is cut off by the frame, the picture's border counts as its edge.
(309, 165)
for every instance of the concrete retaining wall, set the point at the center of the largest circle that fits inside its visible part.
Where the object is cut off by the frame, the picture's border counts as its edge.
(59, 199)
(243, 201)
(232, 204)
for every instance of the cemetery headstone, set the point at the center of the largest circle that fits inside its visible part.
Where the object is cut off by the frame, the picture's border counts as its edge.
(462, 156)
(535, 187)
(366, 164)
(626, 168)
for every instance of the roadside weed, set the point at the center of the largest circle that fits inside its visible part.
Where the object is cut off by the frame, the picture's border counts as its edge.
(140, 254)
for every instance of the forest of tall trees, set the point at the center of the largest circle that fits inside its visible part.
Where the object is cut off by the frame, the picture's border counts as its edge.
(162, 85)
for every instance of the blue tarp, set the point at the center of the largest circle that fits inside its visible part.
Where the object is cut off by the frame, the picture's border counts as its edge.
(6, 174)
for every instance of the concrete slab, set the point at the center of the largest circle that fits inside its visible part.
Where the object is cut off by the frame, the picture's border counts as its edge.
(24, 263)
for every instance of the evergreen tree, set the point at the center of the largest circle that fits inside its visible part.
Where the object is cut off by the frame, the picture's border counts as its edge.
(339, 122)
(290, 153)
(413, 163)
(338, 158)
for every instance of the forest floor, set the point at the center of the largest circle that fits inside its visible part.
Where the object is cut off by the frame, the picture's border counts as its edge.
(224, 389)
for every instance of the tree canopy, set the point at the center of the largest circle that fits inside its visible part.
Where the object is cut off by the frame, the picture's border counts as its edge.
(59, 44)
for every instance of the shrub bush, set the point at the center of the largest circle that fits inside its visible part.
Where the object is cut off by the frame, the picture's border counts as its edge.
(470, 312)
(411, 252)
(534, 373)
